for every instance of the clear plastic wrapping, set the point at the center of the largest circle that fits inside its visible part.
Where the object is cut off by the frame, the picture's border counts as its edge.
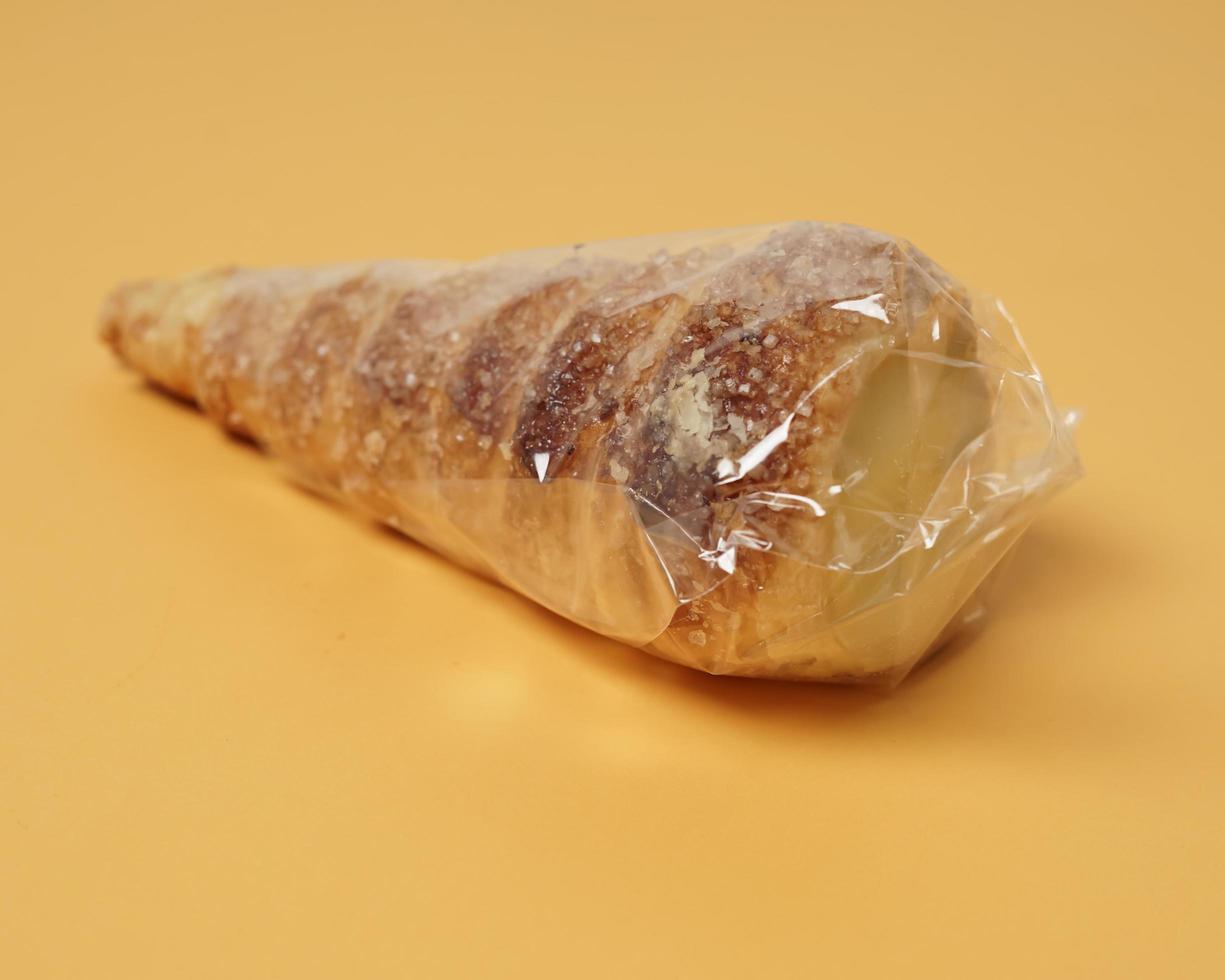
(789, 451)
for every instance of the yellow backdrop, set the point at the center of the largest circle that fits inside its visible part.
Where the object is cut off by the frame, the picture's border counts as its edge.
(245, 735)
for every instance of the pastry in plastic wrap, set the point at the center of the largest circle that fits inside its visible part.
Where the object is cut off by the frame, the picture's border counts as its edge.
(792, 451)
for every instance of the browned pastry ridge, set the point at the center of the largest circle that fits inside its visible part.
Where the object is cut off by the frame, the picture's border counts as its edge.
(722, 449)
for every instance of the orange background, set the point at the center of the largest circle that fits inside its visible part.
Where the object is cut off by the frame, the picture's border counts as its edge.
(245, 735)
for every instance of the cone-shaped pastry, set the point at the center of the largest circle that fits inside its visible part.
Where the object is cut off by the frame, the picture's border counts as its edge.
(792, 451)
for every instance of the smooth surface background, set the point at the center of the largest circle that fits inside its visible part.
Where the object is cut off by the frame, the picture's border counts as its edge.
(245, 735)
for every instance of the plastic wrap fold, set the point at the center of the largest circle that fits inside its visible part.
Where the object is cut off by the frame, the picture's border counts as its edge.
(789, 451)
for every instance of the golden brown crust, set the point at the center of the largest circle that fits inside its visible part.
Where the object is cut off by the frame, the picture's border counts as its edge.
(699, 387)
(595, 367)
